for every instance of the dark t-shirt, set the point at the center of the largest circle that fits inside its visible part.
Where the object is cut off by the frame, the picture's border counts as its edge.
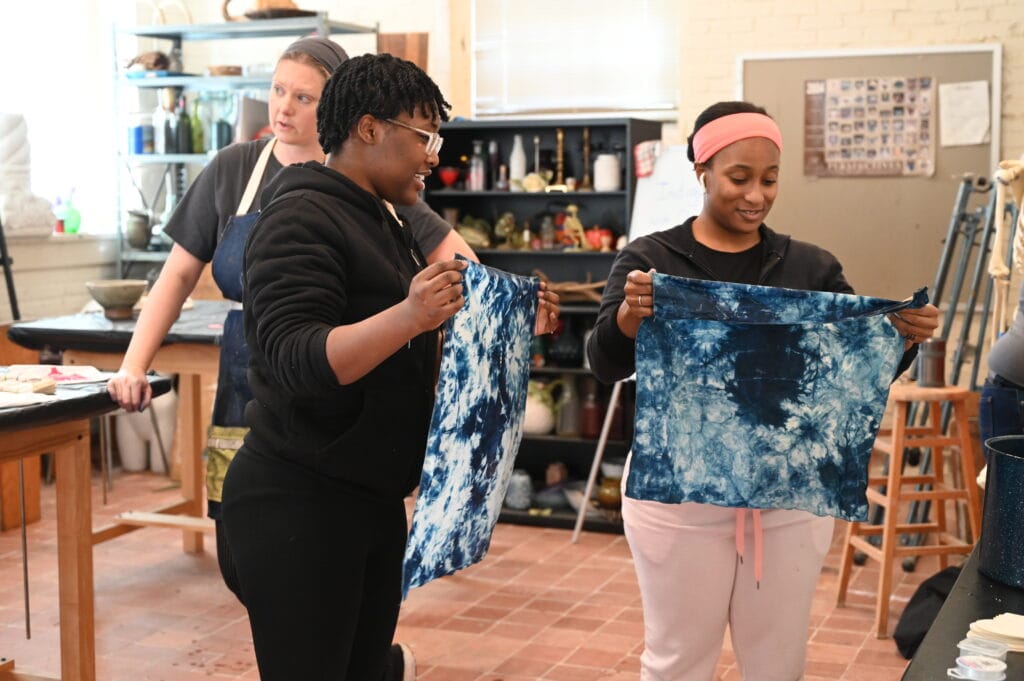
(743, 267)
(199, 220)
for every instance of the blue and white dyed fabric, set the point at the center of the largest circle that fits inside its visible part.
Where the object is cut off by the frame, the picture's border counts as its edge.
(759, 397)
(476, 426)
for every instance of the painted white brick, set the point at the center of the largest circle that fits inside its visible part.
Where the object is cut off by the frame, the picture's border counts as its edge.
(933, 5)
(919, 18)
(1010, 14)
(836, 38)
(886, 4)
(820, 21)
(873, 19)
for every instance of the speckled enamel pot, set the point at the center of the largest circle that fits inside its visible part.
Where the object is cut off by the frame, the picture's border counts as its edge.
(1002, 532)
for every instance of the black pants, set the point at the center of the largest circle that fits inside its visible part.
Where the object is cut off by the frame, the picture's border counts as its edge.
(319, 570)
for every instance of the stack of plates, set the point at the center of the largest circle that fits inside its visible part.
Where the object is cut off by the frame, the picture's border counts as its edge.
(1006, 628)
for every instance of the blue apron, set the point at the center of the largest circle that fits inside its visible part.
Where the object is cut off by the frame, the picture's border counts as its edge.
(227, 425)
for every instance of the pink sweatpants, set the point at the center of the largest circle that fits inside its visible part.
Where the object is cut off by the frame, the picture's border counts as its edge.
(693, 584)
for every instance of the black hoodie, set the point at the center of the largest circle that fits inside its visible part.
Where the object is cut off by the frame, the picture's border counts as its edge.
(324, 253)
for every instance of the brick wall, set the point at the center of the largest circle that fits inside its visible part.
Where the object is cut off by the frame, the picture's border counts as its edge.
(712, 34)
(50, 273)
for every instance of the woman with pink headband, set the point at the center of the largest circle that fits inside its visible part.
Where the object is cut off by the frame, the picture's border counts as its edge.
(692, 581)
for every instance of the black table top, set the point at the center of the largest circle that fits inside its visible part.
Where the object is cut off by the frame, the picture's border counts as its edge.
(974, 597)
(78, 401)
(92, 332)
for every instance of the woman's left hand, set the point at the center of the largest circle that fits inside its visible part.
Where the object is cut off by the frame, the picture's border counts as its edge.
(916, 324)
(547, 311)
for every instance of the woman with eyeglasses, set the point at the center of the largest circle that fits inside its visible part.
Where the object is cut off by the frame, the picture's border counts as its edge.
(341, 316)
(209, 225)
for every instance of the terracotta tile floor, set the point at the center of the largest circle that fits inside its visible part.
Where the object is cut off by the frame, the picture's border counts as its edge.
(538, 607)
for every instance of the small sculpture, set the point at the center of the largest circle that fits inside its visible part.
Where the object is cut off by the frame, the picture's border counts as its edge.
(504, 230)
(573, 228)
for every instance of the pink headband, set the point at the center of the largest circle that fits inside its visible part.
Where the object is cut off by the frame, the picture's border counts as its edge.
(722, 132)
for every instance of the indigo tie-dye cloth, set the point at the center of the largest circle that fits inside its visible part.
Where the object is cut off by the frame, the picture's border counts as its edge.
(476, 425)
(760, 397)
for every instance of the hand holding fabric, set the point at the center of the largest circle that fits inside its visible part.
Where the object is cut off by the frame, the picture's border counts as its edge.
(547, 311)
(638, 301)
(916, 324)
(435, 294)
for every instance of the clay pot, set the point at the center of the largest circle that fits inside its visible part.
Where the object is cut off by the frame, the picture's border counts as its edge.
(609, 494)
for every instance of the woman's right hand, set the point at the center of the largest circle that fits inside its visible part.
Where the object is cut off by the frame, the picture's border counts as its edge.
(130, 389)
(435, 294)
(637, 302)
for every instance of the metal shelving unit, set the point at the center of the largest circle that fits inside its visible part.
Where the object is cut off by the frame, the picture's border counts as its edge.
(176, 35)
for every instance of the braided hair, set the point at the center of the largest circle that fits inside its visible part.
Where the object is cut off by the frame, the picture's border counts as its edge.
(377, 84)
(716, 111)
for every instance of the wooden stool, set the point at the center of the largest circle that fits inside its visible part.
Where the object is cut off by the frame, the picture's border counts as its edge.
(890, 493)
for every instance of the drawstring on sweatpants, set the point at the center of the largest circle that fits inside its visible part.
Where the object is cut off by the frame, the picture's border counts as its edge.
(741, 517)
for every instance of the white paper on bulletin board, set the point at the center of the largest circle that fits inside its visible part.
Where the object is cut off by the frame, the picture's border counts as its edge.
(963, 113)
(668, 196)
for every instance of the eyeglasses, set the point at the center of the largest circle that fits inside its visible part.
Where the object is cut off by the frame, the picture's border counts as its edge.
(432, 140)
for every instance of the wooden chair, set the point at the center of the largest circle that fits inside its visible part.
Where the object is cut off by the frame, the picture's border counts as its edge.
(889, 493)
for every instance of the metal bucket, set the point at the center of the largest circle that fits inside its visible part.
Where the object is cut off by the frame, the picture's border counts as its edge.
(1002, 531)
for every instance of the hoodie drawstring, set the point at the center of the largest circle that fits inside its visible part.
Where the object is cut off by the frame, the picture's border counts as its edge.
(741, 517)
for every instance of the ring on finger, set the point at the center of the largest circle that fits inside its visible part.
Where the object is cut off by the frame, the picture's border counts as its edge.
(640, 301)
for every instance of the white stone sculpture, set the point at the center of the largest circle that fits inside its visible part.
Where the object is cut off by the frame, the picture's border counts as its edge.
(21, 211)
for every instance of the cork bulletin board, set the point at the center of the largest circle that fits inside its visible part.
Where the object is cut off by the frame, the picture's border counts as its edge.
(887, 228)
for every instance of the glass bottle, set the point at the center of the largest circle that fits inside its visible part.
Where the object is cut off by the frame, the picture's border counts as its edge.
(493, 161)
(590, 410)
(566, 349)
(183, 132)
(477, 168)
(527, 236)
(547, 233)
(196, 124)
(517, 164)
(568, 423)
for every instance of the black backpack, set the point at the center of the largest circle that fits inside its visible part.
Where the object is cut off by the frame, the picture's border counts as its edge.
(922, 609)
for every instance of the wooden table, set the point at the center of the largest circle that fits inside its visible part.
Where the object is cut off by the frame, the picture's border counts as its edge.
(62, 427)
(974, 597)
(192, 351)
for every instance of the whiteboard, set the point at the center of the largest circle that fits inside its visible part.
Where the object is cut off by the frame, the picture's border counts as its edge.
(668, 196)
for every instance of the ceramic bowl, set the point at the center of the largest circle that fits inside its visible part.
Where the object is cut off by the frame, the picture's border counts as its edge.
(117, 296)
(613, 468)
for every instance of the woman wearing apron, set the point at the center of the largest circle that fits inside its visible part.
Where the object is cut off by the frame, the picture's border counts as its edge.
(210, 224)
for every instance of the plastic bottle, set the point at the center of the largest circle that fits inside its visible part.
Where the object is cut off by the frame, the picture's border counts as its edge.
(477, 178)
(72, 218)
(164, 141)
(517, 164)
(58, 212)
